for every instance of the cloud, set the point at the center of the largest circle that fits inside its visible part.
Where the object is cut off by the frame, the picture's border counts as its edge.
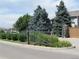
(7, 21)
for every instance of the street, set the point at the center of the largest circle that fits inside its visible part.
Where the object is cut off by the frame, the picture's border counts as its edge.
(16, 52)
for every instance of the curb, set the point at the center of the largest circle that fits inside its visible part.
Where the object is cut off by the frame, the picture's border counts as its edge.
(32, 46)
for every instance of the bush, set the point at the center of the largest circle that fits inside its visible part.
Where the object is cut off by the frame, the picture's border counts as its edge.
(8, 36)
(14, 37)
(43, 39)
(2, 31)
(48, 40)
(62, 44)
(22, 37)
(39, 38)
(3, 35)
(53, 39)
(36, 38)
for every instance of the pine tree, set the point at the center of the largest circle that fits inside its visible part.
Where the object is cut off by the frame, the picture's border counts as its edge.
(40, 21)
(62, 18)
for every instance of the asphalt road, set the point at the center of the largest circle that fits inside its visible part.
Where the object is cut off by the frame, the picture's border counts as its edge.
(16, 52)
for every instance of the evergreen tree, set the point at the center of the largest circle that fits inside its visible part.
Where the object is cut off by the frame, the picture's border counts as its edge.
(62, 18)
(40, 21)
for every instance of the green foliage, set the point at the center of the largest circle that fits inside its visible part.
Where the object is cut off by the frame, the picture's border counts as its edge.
(40, 21)
(38, 38)
(3, 35)
(62, 17)
(43, 39)
(2, 31)
(53, 39)
(8, 36)
(22, 23)
(62, 44)
(16, 37)
(13, 36)
(22, 37)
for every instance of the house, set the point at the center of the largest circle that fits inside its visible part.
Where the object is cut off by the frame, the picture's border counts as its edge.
(75, 17)
(74, 30)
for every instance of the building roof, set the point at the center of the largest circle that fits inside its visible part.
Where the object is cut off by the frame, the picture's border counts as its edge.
(74, 13)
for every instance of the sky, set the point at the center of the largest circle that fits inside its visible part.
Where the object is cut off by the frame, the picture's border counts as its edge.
(11, 10)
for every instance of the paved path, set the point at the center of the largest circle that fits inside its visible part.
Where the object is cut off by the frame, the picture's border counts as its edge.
(15, 51)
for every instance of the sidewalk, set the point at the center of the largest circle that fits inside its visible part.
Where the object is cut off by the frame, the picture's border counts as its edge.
(73, 51)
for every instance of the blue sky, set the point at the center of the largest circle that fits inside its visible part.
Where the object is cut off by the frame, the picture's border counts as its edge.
(10, 10)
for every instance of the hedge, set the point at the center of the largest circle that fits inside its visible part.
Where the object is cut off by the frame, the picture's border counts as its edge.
(37, 38)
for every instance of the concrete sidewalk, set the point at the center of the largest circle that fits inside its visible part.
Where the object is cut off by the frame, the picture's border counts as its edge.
(73, 51)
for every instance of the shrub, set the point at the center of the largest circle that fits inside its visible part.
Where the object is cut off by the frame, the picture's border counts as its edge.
(66, 43)
(39, 38)
(43, 39)
(36, 38)
(48, 40)
(14, 36)
(3, 35)
(22, 37)
(62, 44)
(53, 39)
(8, 36)
(2, 31)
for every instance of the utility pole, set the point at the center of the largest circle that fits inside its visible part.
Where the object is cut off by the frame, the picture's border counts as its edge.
(28, 40)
